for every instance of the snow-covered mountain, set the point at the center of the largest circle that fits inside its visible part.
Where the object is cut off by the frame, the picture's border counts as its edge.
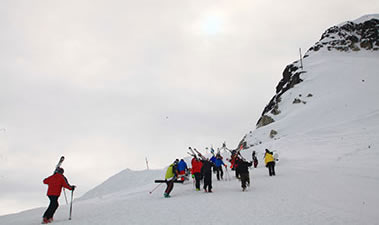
(323, 122)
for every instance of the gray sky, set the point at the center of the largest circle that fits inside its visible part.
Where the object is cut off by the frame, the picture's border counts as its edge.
(108, 83)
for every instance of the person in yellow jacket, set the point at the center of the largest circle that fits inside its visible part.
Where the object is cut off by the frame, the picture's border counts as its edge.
(270, 162)
(171, 175)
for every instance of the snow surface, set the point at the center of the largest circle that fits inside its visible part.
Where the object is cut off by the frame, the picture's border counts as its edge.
(328, 172)
(363, 19)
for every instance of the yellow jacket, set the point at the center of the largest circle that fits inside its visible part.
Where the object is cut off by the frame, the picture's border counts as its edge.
(170, 172)
(269, 158)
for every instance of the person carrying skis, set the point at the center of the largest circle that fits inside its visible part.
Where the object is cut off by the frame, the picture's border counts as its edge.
(171, 175)
(213, 160)
(196, 171)
(206, 171)
(270, 162)
(218, 165)
(255, 159)
(55, 183)
(182, 168)
(243, 171)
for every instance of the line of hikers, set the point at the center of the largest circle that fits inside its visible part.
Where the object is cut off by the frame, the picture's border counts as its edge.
(202, 169)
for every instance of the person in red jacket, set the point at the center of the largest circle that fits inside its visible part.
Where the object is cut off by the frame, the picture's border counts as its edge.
(55, 183)
(196, 171)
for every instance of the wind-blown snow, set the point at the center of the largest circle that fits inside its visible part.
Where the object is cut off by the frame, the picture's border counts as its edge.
(328, 171)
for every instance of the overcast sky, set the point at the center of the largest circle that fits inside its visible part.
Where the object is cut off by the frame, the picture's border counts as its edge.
(108, 83)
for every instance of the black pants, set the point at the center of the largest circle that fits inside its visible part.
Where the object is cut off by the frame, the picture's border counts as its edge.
(237, 174)
(170, 186)
(245, 179)
(220, 173)
(49, 213)
(197, 180)
(208, 181)
(271, 168)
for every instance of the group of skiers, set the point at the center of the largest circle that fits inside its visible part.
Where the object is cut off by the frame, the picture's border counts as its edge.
(202, 169)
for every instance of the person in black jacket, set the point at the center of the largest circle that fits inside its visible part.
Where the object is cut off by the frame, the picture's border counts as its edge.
(243, 170)
(206, 171)
(255, 159)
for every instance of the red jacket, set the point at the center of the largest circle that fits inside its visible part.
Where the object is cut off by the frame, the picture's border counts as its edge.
(56, 182)
(196, 166)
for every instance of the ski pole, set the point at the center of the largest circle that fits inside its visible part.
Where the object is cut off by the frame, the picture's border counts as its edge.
(155, 188)
(65, 197)
(72, 196)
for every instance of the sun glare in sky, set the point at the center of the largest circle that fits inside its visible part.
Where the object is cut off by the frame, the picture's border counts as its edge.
(210, 24)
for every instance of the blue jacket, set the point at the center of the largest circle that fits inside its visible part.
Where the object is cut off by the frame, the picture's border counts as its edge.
(213, 159)
(182, 165)
(219, 162)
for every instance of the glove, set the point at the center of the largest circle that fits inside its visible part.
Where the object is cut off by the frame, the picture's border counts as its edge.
(73, 187)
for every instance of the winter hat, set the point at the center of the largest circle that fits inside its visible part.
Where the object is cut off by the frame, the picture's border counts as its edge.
(60, 170)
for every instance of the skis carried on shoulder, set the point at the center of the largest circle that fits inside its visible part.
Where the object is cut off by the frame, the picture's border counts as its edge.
(59, 164)
(192, 153)
(198, 153)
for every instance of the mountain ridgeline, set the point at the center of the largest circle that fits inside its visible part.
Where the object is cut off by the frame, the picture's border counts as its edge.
(352, 36)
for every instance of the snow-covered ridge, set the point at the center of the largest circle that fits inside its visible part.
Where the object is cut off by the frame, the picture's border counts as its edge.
(360, 34)
(346, 39)
(361, 19)
(126, 180)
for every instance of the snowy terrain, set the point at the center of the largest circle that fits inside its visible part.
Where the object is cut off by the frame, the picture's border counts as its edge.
(328, 172)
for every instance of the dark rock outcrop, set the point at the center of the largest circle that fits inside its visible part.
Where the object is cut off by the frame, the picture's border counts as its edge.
(348, 37)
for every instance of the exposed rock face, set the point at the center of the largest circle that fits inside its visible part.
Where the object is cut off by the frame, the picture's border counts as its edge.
(348, 37)
(264, 120)
(273, 133)
(291, 77)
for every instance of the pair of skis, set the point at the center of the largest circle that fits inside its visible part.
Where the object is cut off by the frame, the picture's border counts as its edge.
(193, 153)
(59, 164)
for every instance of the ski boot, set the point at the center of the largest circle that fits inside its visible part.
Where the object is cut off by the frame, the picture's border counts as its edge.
(166, 195)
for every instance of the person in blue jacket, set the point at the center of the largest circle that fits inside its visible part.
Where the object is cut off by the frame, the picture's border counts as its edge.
(182, 168)
(213, 160)
(218, 165)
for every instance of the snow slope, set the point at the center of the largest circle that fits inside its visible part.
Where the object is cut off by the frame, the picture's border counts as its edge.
(328, 171)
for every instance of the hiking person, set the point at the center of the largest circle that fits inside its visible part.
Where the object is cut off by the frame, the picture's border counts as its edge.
(171, 175)
(270, 162)
(218, 165)
(213, 160)
(255, 159)
(196, 171)
(236, 163)
(182, 168)
(243, 171)
(206, 171)
(55, 183)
